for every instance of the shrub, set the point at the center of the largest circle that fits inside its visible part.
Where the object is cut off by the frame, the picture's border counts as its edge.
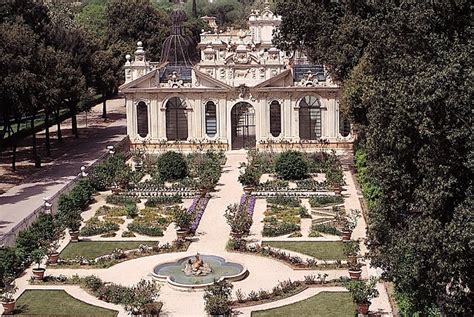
(95, 227)
(163, 200)
(362, 291)
(284, 201)
(238, 219)
(132, 211)
(323, 228)
(253, 296)
(304, 212)
(217, 297)
(128, 234)
(182, 218)
(250, 177)
(171, 166)
(121, 200)
(291, 165)
(103, 175)
(147, 229)
(92, 282)
(240, 296)
(321, 201)
(279, 229)
(263, 294)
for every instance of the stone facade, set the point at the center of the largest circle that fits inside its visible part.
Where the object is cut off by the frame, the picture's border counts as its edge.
(243, 92)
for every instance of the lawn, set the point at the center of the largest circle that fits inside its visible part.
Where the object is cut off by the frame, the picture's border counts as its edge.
(322, 305)
(321, 250)
(56, 302)
(93, 249)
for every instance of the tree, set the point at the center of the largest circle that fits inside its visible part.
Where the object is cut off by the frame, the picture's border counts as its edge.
(105, 72)
(146, 24)
(406, 70)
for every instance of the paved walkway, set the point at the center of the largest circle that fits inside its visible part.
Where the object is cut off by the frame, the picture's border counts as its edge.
(20, 201)
(213, 234)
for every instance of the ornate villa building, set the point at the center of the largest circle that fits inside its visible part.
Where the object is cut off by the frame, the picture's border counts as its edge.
(242, 93)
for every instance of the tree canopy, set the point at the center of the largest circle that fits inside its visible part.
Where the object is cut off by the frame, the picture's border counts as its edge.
(406, 70)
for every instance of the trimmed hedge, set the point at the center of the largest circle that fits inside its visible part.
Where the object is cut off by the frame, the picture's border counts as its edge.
(291, 165)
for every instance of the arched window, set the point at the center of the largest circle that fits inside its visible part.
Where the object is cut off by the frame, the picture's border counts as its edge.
(211, 119)
(310, 118)
(275, 118)
(142, 119)
(176, 120)
(344, 125)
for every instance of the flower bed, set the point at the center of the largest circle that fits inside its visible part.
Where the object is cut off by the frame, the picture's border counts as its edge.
(121, 200)
(279, 221)
(296, 262)
(94, 227)
(197, 208)
(118, 255)
(151, 221)
(282, 290)
(248, 202)
(323, 201)
(163, 200)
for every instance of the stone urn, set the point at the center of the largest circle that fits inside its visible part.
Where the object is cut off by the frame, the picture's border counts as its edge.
(363, 308)
(74, 236)
(8, 307)
(355, 274)
(346, 235)
(38, 273)
(53, 258)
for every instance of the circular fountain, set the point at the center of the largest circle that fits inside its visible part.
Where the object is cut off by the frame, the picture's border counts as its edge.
(198, 271)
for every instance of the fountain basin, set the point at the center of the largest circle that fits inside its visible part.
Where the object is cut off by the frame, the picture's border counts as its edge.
(172, 273)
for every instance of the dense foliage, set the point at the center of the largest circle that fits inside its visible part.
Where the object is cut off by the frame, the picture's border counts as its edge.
(406, 71)
(291, 165)
(171, 166)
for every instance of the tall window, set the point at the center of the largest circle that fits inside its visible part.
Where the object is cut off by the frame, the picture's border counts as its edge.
(310, 118)
(142, 119)
(211, 119)
(176, 120)
(344, 125)
(275, 118)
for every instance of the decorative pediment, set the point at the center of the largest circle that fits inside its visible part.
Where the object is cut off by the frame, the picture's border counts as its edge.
(205, 80)
(146, 81)
(281, 80)
(242, 58)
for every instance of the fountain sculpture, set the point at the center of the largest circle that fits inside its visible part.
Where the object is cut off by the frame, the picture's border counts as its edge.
(196, 267)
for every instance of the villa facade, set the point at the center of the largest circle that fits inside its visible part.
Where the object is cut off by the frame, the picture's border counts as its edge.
(242, 93)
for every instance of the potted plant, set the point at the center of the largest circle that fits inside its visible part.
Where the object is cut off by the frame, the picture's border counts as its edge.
(217, 299)
(37, 256)
(208, 180)
(182, 220)
(349, 224)
(250, 178)
(355, 270)
(335, 179)
(53, 253)
(9, 289)
(351, 249)
(362, 293)
(239, 220)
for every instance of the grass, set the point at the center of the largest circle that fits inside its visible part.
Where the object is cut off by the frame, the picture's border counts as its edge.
(93, 249)
(56, 302)
(321, 250)
(322, 305)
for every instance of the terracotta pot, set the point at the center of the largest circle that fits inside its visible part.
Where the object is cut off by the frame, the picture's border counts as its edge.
(74, 236)
(355, 274)
(53, 258)
(182, 234)
(248, 189)
(363, 308)
(38, 274)
(346, 235)
(8, 307)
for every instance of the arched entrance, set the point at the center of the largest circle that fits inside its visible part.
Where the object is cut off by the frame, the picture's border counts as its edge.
(243, 126)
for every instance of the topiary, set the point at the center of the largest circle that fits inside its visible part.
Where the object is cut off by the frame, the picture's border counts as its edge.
(171, 166)
(291, 165)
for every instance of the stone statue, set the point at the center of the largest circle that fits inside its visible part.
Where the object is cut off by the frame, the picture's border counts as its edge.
(196, 267)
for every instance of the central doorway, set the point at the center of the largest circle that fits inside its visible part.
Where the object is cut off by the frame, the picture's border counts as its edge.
(243, 126)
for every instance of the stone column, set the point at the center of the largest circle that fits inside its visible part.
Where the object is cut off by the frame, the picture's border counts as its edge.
(190, 116)
(153, 121)
(222, 123)
(161, 109)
